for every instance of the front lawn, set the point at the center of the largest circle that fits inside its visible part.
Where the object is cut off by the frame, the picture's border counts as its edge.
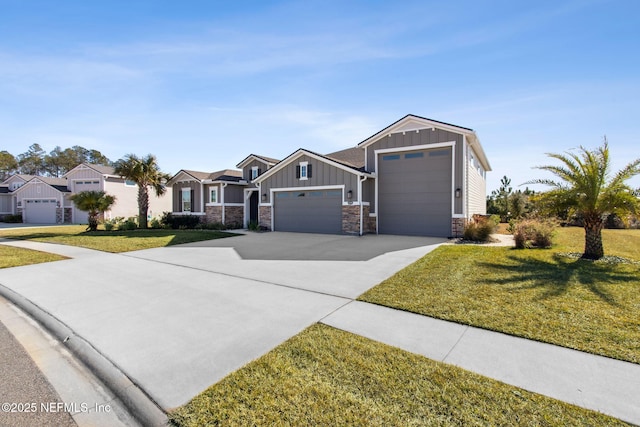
(328, 377)
(536, 294)
(15, 257)
(112, 241)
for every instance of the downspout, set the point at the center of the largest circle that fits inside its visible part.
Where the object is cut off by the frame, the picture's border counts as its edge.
(224, 184)
(360, 181)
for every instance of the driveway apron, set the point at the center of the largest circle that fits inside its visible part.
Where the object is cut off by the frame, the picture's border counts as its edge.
(178, 319)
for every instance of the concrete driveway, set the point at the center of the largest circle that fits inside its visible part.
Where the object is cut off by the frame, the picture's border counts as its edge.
(178, 319)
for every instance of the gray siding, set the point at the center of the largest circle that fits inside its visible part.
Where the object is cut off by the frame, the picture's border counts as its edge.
(6, 206)
(368, 190)
(423, 137)
(234, 194)
(322, 174)
(246, 171)
(177, 196)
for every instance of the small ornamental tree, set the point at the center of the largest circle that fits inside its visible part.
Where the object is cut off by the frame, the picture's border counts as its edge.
(587, 187)
(94, 202)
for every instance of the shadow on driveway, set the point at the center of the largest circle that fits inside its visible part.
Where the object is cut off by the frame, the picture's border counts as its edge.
(315, 247)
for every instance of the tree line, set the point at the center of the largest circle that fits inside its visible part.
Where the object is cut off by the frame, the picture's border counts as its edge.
(36, 161)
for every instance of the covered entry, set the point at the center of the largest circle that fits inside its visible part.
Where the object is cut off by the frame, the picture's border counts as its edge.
(415, 192)
(40, 211)
(314, 211)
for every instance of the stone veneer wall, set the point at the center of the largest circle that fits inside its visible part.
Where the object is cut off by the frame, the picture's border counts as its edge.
(264, 216)
(213, 214)
(369, 221)
(67, 215)
(234, 215)
(457, 226)
(351, 219)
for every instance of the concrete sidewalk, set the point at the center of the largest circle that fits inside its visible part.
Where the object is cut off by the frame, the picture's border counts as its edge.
(599, 383)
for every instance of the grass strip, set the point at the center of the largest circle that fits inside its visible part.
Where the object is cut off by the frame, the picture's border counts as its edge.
(112, 241)
(15, 257)
(325, 376)
(536, 294)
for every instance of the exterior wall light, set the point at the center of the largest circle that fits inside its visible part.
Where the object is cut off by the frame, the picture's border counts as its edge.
(349, 195)
(458, 193)
(264, 197)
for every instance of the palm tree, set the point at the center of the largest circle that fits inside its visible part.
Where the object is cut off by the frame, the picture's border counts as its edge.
(146, 173)
(93, 202)
(588, 188)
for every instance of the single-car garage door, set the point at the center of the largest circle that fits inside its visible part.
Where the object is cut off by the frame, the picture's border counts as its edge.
(414, 190)
(40, 211)
(317, 211)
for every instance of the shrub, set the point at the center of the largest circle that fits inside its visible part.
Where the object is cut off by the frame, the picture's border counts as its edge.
(479, 230)
(128, 225)
(155, 223)
(13, 218)
(253, 226)
(179, 221)
(533, 233)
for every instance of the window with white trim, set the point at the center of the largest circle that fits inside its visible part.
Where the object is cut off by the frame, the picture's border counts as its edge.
(186, 199)
(303, 171)
(213, 195)
(129, 183)
(255, 171)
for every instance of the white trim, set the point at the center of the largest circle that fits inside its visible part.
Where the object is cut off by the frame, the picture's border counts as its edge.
(253, 169)
(211, 190)
(304, 165)
(188, 213)
(182, 191)
(451, 144)
(234, 204)
(465, 183)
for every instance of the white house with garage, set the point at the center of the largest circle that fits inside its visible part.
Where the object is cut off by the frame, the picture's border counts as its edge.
(45, 200)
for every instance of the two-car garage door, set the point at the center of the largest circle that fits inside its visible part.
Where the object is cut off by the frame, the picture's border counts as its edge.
(414, 192)
(40, 211)
(315, 211)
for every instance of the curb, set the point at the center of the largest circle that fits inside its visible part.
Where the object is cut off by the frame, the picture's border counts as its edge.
(140, 405)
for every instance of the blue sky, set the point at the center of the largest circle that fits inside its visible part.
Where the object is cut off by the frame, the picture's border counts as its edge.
(201, 84)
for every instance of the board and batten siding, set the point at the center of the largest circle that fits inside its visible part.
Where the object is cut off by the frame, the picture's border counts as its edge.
(197, 196)
(233, 194)
(323, 174)
(246, 171)
(37, 191)
(477, 188)
(6, 205)
(424, 136)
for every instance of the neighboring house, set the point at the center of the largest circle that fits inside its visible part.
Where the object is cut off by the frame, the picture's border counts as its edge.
(417, 176)
(45, 200)
(217, 197)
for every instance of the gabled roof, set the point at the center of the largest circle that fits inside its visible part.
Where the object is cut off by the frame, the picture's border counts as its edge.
(302, 151)
(264, 159)
(59, 184)
(229, 175)
(101, 169)
(351, 156)
(413, 122)
(18, 176)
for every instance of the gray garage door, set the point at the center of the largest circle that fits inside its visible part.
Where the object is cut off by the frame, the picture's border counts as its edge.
(40, 211)
(415, 193)
(308, 211)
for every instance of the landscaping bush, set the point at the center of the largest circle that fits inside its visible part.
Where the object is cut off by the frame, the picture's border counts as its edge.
(479, 230)
(532, 233)
(155, 223)
(128, 225)
(179, 221)
(13, 218)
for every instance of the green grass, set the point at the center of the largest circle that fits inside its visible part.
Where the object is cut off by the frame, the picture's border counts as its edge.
(328, 377)
(15, 257)
(112, 241)
(536, 294)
